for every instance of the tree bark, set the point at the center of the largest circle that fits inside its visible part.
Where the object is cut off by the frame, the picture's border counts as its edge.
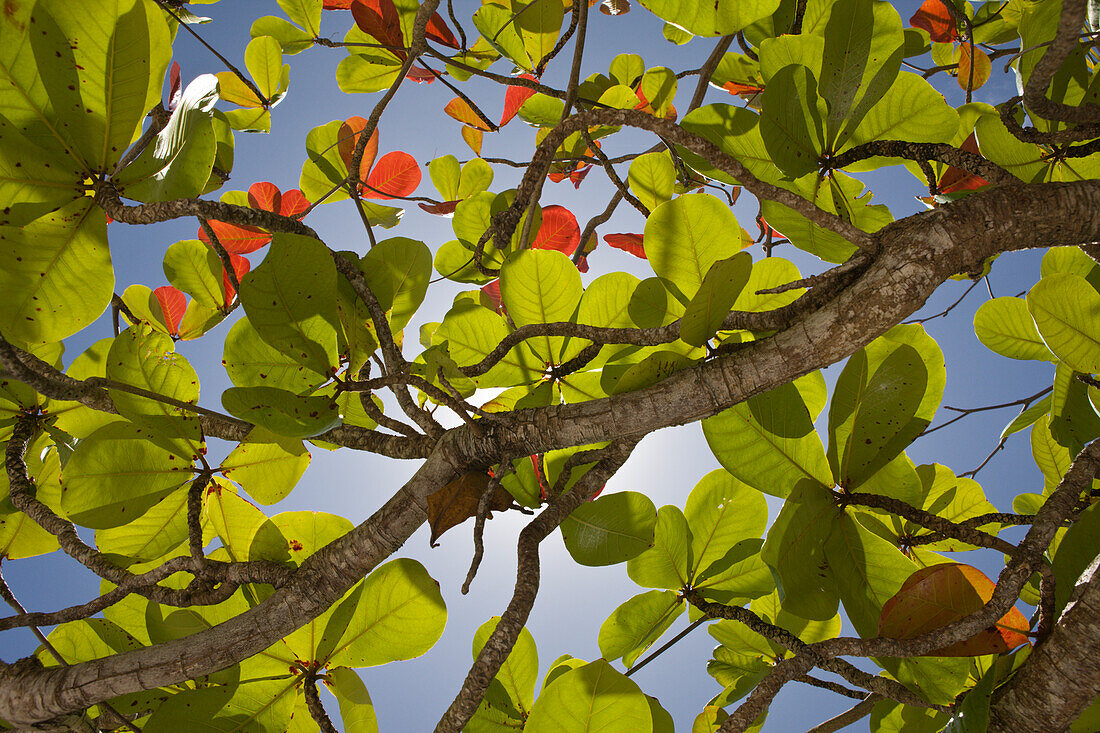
(914, 256)
(1062, 676)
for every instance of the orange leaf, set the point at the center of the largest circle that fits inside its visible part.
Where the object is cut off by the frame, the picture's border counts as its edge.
(265, 196)
(457, 501)
(492, 292)
(934, 17)
(420, 75)
(336, 5)
(395, 175)
(956, 179)
(294, 203)
(460, 110)
(559, 230)
(514, 99)
(235, 238)
(241, 266)
(346, 139)
(173, 303)
(939, 595)
(631, 243)
(973, 72)
(473, 138)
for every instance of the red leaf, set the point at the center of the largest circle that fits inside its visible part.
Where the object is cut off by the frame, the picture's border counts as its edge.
(544, 491)
(438, 31)
(173, 303)
(514, 99)
(265, 196)
(766, 228)
(579, 174)
(241, 266)
(956, 179)
(235, 238)
(378, 18)
(336, 5)
(294, 203)
(395, 175)
(464, 113)
(939, 595)
(420, 75)
(934, 17)
(346, 139)
(631, 243)
(175, 88)
(559, 230)
(443, 207)
(492, 291)
(734, 87)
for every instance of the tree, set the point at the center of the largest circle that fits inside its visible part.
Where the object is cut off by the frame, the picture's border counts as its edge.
(213, 613)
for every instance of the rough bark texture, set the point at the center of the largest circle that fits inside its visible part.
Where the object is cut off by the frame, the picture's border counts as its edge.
(1062, 675)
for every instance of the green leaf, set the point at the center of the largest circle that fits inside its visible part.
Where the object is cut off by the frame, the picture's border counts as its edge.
(591, 698)
(1005, 326)
(178, 162)
(769, 441)
(252, 362)
(910, 110)
(791, 122)
(867, 571)
(1052, 458)
(152, 535)
(635, 625)
(518, 673)
(290, 299)
(721, 511)
(685, 237)
(721, 18)
(116, 66)
(356, 707)
(647, 372)
(55, 274)
(249, 705)
(306, 13)
(195, 269)
(538, 23)
(116, 474)
(541, 286)
(397, 271)
(973, 713)
(860, 61)
(1077, 550)
(651, 178)
(397, 613)
(1066, 310)
(668, 563)
(363, 73)
(147, 360)
(495, 25)
(21, 536)
(611, 529)
(282, 412)
(471, 332)
(1027, 417)
(291, 38)
(795, 551)
(266, 466)
(720, 287)
(245, 532)
(886, 395)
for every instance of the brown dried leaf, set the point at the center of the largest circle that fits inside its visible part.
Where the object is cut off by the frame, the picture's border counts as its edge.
(615, 7)
(457, 501)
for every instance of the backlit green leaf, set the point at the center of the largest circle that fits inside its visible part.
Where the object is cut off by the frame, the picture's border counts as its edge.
(591, 698)
(611, 529)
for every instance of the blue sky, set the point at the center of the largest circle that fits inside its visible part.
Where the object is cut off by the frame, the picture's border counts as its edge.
(573, 600)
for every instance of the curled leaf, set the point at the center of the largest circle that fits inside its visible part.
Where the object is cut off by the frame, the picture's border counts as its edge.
(457, 501)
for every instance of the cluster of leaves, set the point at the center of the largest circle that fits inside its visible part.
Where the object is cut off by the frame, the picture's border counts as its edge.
(115, 440)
